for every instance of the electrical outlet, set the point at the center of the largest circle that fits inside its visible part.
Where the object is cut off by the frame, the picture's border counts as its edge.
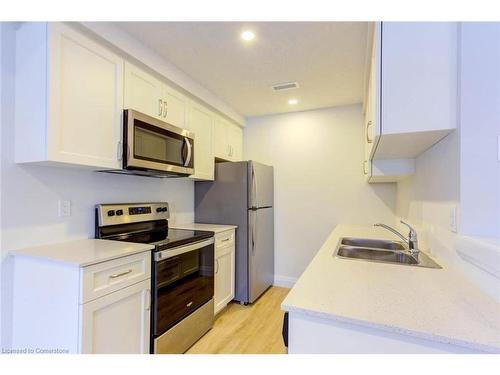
(64, 208)
(453, 219)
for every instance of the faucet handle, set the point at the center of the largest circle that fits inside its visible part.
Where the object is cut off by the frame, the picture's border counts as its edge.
(413, 232)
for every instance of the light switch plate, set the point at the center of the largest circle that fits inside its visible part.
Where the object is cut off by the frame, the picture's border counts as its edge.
(64, 208)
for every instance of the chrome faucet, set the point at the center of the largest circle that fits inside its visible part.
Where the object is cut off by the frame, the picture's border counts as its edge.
(411, 240)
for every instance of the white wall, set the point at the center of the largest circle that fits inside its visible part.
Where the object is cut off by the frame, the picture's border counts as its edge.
(1, 252)
(426, 198)
(462, 170)
(30, 194)
(319, 182)
(480, 133)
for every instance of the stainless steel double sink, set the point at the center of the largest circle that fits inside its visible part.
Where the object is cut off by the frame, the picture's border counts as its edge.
(382, 251)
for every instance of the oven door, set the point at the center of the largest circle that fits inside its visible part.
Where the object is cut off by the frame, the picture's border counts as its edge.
(183, 280)
(151, 144)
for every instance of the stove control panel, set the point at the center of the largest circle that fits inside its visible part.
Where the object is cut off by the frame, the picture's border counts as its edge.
(113, 214)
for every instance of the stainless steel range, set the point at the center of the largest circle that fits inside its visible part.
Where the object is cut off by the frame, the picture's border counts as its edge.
(182, 308)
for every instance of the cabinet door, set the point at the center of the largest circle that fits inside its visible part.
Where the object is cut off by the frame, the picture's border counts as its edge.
(419, 77)
(224, 277)
(143, 92)
(85, 100)
(221, 146)
(201, 123)
(235, 140)
(175, 107)
(372, 123)
(117, 323)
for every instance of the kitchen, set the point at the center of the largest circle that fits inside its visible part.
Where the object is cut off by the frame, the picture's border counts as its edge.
(256, 245)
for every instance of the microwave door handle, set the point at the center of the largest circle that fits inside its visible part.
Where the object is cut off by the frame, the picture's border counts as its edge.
(189, 152)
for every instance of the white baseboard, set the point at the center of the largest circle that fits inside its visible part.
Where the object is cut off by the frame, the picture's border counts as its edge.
(284, 281)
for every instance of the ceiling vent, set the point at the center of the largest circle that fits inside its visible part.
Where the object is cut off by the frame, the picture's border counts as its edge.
(285, 86)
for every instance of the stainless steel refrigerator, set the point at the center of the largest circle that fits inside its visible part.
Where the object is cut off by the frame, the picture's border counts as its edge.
(242, 194)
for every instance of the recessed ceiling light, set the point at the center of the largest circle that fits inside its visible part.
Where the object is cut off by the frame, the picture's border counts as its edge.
(248, 35)
(293, 101)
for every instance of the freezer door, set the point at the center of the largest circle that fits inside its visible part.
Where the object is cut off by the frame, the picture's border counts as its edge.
(260, 185)
(260, 251)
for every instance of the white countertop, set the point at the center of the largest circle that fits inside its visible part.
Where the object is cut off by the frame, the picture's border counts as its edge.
(216, 228)
(433, 304)
(85, 252)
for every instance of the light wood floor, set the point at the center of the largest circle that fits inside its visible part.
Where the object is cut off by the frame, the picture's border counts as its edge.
(252, 329)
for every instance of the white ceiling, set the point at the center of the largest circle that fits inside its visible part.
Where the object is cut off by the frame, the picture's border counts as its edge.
(327, 59)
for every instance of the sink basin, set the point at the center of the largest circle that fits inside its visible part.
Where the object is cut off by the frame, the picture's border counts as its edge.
(378, 244)
(382, 251)
(376, 255)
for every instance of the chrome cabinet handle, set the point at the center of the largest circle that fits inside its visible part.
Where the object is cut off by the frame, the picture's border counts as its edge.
(189, 304)
(364, 167)
(160, 107)
(114, 276)
(148, 296)
(189, 147)
(119, 151)
(368, 139)
(165, 109)
(217, 268)
(225, 239)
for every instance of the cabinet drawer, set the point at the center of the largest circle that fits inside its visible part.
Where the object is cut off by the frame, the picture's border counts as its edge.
(224, 239)
(103, 278)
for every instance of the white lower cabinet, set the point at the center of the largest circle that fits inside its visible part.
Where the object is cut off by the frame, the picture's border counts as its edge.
(309, 334)
(224, 269)
(101, 308)
(118, 323)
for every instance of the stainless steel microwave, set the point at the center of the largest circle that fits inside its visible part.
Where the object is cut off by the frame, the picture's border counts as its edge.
(155, 148)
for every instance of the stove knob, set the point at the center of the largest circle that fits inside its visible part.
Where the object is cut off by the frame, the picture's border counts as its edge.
(159, 209)
(111, 213)
(119, 212)
(164, 209)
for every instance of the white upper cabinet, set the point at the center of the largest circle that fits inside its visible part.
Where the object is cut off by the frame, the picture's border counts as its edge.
(69, 97)
(201, 123)
(175, 107)
(228, 140)
(151, 96)
(412, 95)
(143, 92)
(71, 91)
(235, 141)
(221, 146)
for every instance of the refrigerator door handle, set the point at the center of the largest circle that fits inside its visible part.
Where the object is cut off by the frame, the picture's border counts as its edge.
(254, 186)
(254, 225)
(256, 191)
(255, 228)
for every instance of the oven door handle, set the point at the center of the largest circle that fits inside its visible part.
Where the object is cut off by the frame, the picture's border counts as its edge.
(165, 254)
